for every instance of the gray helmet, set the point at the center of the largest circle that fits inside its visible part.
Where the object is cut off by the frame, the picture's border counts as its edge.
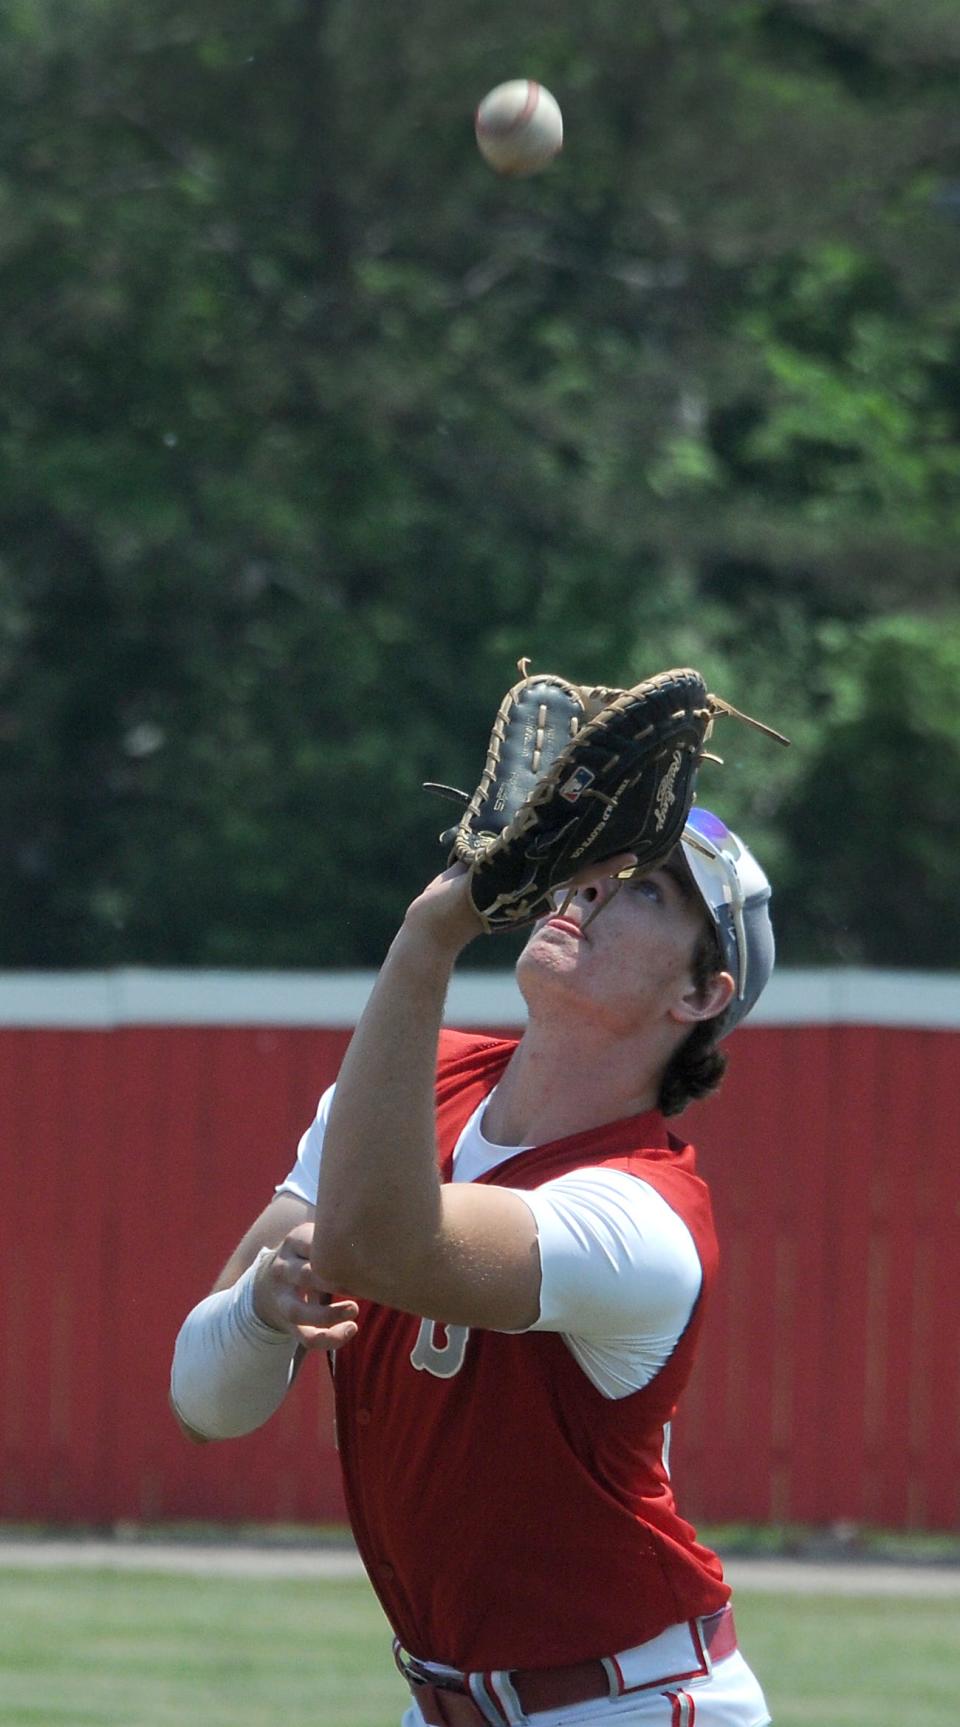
(736, 893)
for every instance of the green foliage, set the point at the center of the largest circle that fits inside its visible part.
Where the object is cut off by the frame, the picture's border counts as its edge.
(871, 828)
(310, 426)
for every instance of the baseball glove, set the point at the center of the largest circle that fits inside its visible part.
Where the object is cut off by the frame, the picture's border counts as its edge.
(575, 775)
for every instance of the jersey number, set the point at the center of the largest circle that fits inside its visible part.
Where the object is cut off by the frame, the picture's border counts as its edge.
(441, 1358)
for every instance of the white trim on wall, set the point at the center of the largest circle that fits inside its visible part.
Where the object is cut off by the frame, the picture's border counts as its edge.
(140, 996)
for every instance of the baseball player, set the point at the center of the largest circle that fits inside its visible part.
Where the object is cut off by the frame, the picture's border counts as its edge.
(523, 1254)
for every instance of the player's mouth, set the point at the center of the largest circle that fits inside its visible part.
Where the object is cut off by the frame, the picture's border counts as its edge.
(568, 924)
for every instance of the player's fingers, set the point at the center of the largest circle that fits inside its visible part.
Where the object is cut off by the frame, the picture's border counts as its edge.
(303, 1278)
(323, 1311)
(298, 1294)
(326, 1337)
(599, 871)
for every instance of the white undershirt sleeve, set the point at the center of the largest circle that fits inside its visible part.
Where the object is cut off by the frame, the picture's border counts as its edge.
(620, 1274)
(230, 1370)
(305, 1174)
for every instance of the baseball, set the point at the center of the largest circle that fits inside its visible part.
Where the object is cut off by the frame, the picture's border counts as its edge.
(519, 127)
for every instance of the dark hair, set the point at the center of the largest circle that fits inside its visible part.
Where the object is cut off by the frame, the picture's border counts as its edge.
(697, 1067)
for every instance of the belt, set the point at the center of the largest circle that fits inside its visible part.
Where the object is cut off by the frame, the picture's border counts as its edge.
(448, 1698)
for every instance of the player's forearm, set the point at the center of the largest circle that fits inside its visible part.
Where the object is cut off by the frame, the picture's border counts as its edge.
(378, 1201)
(230, 1371)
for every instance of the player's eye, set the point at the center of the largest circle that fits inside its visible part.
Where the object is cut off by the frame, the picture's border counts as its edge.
(646, 885)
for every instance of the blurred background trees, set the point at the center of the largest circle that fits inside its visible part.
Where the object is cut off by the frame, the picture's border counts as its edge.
(310, 426)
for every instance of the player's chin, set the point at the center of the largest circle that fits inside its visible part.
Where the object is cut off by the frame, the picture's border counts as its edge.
(536, 937)
(550, 952)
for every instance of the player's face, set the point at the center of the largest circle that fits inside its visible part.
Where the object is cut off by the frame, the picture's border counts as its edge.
(621, 953)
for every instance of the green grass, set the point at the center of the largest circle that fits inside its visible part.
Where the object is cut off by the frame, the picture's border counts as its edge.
(111, 1649)
(852, 1661)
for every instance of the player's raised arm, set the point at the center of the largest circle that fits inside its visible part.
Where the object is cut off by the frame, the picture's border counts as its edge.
(383, 1227)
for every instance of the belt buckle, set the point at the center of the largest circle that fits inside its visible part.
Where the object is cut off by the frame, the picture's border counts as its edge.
(415, 1672)
(446, 1698)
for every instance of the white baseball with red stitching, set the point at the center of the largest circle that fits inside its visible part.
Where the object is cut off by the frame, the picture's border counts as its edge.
(519, 127)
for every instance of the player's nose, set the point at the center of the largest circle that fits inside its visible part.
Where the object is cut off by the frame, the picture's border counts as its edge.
(593, 898)
(598, 892)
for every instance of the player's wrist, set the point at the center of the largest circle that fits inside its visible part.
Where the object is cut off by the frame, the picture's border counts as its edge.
(440, 922)
(422, 961)
(262, 1302)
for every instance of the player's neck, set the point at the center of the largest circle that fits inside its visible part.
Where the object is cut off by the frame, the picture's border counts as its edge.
(557, 1086)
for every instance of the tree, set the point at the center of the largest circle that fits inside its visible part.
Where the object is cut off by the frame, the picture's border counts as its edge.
(311, 426)
(872, 831)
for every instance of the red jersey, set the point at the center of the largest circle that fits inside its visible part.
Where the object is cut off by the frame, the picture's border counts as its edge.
(508, 1514)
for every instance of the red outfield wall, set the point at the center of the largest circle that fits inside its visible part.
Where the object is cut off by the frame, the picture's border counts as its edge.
(145, 1117)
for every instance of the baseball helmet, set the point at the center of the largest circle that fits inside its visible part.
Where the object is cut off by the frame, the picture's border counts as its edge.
(736, 894)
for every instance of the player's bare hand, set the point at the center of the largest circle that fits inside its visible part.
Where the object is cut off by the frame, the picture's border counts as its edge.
(289, 1296)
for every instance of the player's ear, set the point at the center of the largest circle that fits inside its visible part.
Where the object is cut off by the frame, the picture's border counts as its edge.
(704, 1001)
